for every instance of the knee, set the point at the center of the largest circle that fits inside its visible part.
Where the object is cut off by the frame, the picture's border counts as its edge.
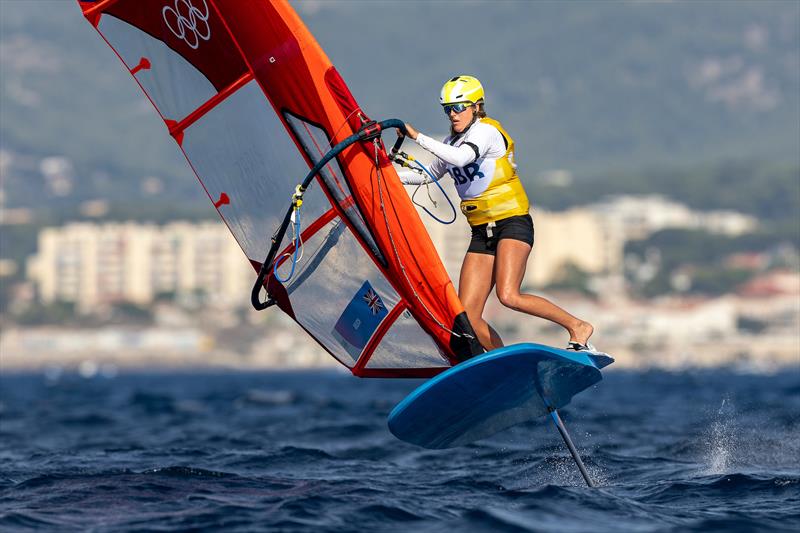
(508, 297)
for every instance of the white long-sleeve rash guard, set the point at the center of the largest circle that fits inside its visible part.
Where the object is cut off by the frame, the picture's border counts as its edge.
(479, 141)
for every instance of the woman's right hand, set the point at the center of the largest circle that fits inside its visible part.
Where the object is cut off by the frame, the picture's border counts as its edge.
(411, 131)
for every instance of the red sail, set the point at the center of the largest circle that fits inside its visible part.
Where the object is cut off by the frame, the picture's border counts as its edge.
(253, 102)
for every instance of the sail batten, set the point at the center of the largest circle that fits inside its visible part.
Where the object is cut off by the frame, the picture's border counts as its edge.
(211, 103)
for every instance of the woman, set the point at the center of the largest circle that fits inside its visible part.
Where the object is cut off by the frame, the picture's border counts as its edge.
(479, 155)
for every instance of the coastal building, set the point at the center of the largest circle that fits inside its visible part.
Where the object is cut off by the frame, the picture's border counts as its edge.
(580, 237)
(91, 264)
(640, 216)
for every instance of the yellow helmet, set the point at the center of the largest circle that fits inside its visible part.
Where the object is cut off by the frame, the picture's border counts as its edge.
(461, 89)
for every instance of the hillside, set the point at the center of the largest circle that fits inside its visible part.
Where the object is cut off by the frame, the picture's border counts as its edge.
(596, 88)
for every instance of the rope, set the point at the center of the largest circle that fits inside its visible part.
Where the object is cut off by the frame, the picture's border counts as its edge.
(297, 255)
(427, 188)
(343, 124)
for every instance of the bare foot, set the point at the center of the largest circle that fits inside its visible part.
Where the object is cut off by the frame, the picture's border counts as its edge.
(581, 332)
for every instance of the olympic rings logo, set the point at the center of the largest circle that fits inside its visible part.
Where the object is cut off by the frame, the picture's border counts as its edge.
(188, 22)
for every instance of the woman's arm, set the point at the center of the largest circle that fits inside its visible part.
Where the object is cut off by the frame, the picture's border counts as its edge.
(479, 141)
(459, 156)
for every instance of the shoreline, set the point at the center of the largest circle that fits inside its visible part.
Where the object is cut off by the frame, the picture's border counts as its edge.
(130, 349)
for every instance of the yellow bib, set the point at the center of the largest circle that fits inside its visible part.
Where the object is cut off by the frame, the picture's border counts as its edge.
(504, 197)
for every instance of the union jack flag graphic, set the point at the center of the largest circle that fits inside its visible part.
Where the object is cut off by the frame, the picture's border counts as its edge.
(360, 319)
(373, 301)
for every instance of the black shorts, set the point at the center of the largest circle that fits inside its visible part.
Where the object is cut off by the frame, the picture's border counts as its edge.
(486, 236)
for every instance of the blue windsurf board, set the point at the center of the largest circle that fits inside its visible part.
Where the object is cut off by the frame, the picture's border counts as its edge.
(492, 392)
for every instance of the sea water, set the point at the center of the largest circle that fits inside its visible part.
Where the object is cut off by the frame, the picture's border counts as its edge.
(310, 451)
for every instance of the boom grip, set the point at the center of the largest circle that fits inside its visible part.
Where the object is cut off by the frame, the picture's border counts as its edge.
(397, 144)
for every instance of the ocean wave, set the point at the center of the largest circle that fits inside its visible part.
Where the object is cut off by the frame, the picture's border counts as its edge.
(313, 453)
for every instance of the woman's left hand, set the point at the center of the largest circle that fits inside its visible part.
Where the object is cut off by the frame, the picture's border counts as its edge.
(411, 131)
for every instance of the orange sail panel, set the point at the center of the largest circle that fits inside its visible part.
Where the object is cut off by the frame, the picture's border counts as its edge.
(253, 102)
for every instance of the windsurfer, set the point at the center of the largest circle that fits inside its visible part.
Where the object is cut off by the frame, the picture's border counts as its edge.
(479, 155)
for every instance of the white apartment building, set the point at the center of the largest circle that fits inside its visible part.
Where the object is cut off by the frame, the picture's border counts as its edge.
(640, 216)
(578, 236)
(92, 264)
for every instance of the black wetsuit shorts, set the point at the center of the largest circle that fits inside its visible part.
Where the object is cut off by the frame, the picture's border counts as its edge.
(486, 236)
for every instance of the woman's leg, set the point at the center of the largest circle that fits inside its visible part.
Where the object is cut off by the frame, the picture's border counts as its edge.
(474, 286)
(510, 263)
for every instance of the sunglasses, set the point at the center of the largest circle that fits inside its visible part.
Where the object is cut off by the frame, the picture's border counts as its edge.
(457, 108)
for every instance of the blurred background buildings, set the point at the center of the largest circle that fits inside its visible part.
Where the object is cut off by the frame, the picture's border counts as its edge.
(659, 143)
(91, 264)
